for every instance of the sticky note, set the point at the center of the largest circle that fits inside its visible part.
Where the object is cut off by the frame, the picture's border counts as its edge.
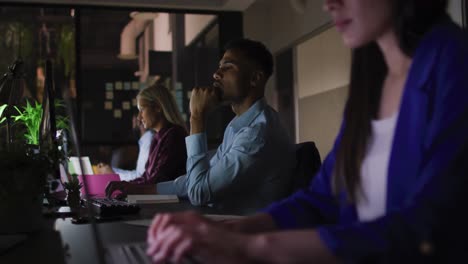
(126, 105)
(109, 95)
(108, 105)
(135, 85)
(117, 113)
(109, 86)
(118, 85)
(127, 86)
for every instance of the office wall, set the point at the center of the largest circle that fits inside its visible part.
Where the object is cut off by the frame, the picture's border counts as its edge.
(322, 74)
(276, 23)
(162, 37)
(320, 118)
(194, 24)
(279, 26)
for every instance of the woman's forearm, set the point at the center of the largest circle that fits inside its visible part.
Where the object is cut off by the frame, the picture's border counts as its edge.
(289, 247)
(258, 223)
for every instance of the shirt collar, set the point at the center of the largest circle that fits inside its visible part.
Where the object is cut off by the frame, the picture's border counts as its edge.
(248, 116)
(158, 135)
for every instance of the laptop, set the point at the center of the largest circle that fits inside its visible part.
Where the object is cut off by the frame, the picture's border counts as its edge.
(97, 183)
(135, 253)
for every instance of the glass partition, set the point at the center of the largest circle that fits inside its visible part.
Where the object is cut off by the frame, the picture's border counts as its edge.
(103, 56)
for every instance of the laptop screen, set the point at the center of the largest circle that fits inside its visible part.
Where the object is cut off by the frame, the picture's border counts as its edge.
(81, 166)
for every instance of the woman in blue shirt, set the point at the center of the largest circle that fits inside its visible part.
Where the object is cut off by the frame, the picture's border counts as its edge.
(392, 188)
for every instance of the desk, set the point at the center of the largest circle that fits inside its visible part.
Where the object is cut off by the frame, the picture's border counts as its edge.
(80, 242)
(65, 242)
(79, 237)
(41, 247)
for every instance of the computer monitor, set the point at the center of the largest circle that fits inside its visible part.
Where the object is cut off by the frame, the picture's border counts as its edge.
(91, 211)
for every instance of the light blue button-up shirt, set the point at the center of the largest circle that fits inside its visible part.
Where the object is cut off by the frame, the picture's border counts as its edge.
(251, 168)
(144, 144)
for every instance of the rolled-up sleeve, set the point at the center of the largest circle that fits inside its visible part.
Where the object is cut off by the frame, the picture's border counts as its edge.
(205, 180)
(177, 187)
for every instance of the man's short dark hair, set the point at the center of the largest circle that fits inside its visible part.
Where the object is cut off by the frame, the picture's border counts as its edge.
(254, 51)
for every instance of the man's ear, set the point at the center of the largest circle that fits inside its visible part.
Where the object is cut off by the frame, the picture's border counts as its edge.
(256, 78)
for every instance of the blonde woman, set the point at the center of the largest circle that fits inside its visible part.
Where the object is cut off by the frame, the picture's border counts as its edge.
(167, 156)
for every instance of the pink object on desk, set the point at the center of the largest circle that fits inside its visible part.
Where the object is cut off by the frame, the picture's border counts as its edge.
(97, 183)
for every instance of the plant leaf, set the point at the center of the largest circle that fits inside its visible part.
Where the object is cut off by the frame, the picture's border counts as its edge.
(2, 108)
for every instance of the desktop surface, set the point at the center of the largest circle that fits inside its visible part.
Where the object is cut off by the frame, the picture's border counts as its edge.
(40, 247)
(66, 242)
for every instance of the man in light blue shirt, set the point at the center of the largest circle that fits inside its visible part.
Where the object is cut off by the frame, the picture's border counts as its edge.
(253, 165)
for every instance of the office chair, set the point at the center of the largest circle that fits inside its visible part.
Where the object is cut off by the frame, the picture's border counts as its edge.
(308, 163)
(125, 157)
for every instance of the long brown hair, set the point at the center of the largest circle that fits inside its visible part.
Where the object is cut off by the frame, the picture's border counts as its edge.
(412, 19)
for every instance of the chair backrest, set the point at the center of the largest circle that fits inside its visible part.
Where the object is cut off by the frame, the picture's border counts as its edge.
(125, 157)
(308, 163)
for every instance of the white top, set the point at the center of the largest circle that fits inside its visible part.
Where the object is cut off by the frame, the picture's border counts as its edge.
(144, 148)
(372, 196)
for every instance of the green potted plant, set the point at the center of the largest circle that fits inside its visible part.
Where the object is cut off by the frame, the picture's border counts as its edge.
(30, 117)
(24, 169)
(22, 177)
(73, 187)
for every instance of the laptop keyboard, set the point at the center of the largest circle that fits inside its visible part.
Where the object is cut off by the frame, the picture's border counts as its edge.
(129, 253)
(134, 253)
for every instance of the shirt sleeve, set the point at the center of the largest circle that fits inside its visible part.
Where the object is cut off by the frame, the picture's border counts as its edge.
(126, 175)
(177, 187)
(205, 180)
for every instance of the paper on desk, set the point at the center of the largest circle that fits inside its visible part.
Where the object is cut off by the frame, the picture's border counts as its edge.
(151, 198)
(214, 217)
(74, 165)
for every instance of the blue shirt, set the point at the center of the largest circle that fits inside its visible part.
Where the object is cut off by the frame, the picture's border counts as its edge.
(250, 169)
(427, 183)
(144, 144)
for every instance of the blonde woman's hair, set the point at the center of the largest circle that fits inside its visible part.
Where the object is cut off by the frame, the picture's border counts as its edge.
(158, 93)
